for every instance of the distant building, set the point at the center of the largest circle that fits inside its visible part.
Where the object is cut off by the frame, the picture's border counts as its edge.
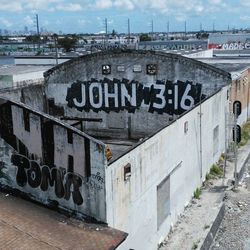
(173, 45)
(229, 41)
(12, 76)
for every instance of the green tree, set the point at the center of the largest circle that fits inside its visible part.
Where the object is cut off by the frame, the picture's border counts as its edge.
(33, 39)
(67, 43)
(202, 35)
(113, 32)
(145, 37)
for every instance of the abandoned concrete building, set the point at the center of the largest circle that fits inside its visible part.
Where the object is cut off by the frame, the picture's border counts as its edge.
(123, 137)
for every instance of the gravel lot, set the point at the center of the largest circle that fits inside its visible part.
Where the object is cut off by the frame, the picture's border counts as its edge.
(234, 232)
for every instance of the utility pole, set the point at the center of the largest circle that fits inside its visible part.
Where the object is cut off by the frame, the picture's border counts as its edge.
(213, 27)
(152, 29)
(167, 30)
(200, 27)
(105, 35)
(106, 30)
(38, 32)
(56, 47)
(185, 29)
(128, 30)
(152, 26)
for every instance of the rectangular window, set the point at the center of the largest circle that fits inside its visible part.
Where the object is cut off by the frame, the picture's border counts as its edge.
(70, 136)
(163, 201)
(127, 172)
(216, 140)
(120, 68)
(70, 163)
(137, 68)
(26, 118)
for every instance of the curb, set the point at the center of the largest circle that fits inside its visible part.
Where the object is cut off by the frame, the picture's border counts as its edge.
(243, 168)
(216, 224)
(214, 228)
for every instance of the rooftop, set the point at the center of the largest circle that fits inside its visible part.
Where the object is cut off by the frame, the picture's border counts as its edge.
(21, 69)
(223, 38)
(24, 224)
(235, 67)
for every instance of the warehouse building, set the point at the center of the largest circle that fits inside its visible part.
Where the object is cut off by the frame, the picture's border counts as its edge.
(123, 137)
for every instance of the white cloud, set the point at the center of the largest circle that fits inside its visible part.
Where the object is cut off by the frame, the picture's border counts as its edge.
(40, 4)
(83, 22)
(245, 3)
(124, 4)
(28, 20)
(5, 22)
(104, 4)
(215, 2)
(245, 18)
(69, 7)
(13, 6)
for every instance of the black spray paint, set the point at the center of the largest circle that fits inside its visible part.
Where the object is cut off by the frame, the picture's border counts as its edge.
(42, 172)
(116, 95)
(65, 184)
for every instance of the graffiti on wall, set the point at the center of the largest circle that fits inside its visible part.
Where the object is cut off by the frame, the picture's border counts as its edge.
(35, 161)
(65, 183)
(116, 95)
(235, 46)
(230, 46)
(100, 46)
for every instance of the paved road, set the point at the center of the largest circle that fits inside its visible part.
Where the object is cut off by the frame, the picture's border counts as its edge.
(234, 232)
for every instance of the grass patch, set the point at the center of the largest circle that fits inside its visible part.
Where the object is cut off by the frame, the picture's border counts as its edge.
(245, 134)
(197, 193)
(215, 170)
(209, 177)
(206, 226)
(195, 245)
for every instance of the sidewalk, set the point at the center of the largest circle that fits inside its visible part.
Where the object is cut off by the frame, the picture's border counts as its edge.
(197, 226)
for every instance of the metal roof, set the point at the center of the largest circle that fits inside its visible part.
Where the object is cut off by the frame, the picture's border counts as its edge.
(225, 38)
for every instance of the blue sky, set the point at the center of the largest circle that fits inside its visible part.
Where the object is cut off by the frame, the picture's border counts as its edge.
(87, 16)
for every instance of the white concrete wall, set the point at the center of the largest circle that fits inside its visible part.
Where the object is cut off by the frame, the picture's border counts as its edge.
(201, 54)
(35, 76)
(40, 61)
(132, 204)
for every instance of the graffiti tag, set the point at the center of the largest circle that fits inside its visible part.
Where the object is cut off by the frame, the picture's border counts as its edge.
(66, 184)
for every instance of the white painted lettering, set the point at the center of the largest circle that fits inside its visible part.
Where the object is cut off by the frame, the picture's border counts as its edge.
(176, 99)
(91, 95)
(160, 96)
(83, 102)
(111, 95)
(124, 95)
(186, 98)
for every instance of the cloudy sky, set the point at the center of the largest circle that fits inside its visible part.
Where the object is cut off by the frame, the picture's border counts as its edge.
(87, 16)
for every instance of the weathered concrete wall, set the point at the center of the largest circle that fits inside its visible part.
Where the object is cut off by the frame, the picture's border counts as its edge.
(51, 162)
(165, 171)
(240, 91)
(32, 95)
(134, 92)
